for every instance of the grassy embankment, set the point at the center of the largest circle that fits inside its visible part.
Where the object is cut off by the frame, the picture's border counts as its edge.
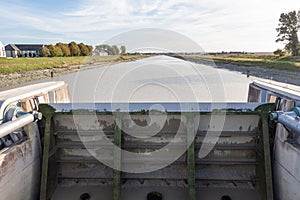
(262, 60)
(26, 64)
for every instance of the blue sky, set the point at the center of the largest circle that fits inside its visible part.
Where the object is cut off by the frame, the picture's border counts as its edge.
(216, 25)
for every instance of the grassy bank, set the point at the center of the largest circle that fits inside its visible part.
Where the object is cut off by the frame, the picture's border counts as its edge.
(26, 64)
(262, 60)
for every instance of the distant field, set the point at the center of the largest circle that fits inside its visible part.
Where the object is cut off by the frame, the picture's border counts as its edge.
(26, 64)
(263, 60)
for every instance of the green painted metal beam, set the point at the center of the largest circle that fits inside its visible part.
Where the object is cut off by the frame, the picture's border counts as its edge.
(267, 157)
(117, 157)
(47, 112)
(191, 157)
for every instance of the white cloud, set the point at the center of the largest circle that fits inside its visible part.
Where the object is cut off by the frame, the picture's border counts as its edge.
(214, 24)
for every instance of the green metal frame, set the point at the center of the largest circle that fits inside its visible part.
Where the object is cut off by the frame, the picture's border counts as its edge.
(117, 157)
(191, 157)
(47, 112)
(267, 157)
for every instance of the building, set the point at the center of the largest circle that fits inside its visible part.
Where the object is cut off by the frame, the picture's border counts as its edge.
(2, 50)
(23, 50)
(98, 52)
(11, 51)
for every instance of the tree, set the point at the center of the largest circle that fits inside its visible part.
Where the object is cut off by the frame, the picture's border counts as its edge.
(111, 50)
(116, 50)
(289, 24)
(51, 50)
(64, 48)
(83, 49)
(123, 50)
(90, 49)
(44, 52)
(279, 52)
(75, 51)
(55, 51)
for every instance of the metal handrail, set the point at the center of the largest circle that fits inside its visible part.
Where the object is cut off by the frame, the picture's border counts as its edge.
(23, 120)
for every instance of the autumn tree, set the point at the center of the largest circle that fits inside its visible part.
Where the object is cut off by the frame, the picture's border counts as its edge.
(64, 48)
(51, 50)
(83, 49)
(44, 52)
(55, 51)
(289, 24)
(90, 49)
(74, 49)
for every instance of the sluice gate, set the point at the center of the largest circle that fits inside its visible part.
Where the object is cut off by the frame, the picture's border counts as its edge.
(146, 152)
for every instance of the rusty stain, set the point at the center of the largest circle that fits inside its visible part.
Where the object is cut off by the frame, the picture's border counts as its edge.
(241, 128)
(14, 155)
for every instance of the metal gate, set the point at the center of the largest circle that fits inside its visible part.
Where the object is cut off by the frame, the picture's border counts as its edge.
(94, 151)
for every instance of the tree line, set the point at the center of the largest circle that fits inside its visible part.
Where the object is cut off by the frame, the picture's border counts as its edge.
(110, 50)
(288, 27)
(66, 50)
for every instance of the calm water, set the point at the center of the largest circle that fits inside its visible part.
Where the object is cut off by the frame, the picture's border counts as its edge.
(160, 79)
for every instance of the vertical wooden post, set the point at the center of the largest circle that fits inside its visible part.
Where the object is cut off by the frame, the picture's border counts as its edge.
(117, 157)
(47, 112)
(267, 157)
(191, 157)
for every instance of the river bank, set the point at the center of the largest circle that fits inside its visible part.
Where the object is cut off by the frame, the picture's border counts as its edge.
(22, 76)
(9, 80)
(281, 74)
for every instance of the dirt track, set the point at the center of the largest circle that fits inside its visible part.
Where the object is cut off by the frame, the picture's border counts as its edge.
(291, 77)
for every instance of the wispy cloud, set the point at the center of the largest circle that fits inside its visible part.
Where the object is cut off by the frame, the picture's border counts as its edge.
(214, 24)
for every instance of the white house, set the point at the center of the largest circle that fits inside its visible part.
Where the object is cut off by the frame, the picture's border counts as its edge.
(98, 52)
(2, 50)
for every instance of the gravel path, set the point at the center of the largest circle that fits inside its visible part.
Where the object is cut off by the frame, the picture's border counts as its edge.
(285, 76)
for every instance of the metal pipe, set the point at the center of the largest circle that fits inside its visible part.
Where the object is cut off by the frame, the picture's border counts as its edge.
(20, 122)
(290, 119)
(292, 123)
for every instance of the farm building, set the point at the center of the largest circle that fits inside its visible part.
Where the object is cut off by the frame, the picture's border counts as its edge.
(23, 50)
(2, 50)
(11, 51)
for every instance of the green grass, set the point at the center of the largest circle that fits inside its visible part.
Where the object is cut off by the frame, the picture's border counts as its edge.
(263, 60)
(25, 64)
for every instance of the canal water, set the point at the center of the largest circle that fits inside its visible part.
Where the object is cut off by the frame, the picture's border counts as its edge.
(158, 79)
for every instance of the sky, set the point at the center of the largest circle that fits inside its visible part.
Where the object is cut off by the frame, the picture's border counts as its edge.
(215, 25)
